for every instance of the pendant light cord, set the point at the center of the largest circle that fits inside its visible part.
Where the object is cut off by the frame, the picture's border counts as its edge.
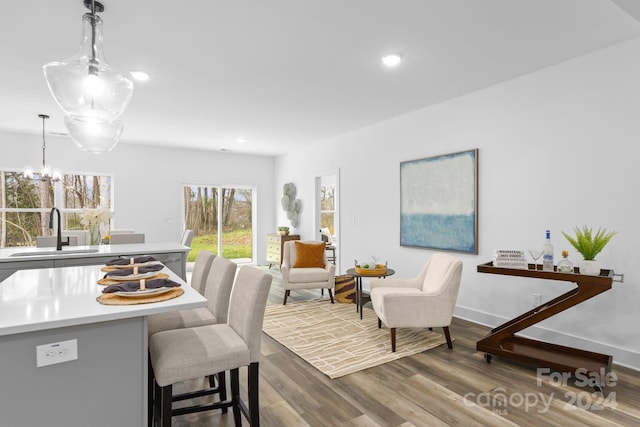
(44, 144)
(93, 31)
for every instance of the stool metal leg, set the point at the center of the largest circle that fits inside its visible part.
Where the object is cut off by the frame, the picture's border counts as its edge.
(165, 403)
(254, 405)
(235, 397)
(150, 386)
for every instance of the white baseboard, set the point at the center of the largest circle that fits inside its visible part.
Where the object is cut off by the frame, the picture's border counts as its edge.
(621, 356)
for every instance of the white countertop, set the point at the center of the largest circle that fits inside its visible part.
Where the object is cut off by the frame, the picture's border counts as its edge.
(7, 254)
(36, 300)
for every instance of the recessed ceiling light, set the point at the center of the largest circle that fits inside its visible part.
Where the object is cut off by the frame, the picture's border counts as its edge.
(392, 60)
(241, 140)
(140, 76)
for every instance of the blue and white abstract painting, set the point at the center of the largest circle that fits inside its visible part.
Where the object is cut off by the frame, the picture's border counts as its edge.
(439, 202)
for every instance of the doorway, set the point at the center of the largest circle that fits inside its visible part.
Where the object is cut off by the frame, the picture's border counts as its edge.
(327, 212)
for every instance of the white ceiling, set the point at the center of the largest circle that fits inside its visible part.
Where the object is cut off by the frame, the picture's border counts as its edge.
(283, 73)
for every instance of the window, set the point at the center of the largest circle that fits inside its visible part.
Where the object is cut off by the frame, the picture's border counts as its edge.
(25, 203)
(222, 220)
(328, 208)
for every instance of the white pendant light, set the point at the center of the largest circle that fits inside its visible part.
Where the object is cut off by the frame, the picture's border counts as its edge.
(94, 136)
(46, 173)
(86, 87)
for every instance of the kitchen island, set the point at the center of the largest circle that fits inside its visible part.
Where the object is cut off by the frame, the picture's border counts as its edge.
(173, 255)
(106, 384)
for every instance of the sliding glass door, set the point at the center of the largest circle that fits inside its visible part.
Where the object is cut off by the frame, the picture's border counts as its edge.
(222, 220)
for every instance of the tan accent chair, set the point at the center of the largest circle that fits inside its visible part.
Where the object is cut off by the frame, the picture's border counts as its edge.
(426, 301)
(305, 278)
(183, 354)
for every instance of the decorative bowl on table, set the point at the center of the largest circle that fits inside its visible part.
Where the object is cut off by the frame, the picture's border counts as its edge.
(376, 271)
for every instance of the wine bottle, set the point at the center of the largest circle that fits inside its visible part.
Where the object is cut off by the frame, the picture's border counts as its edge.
(547, 254)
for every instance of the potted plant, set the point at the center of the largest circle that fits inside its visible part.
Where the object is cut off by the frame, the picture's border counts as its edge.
(283, 230)
(589, 244)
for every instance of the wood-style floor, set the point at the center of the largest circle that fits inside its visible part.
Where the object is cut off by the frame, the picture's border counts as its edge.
(439, 387)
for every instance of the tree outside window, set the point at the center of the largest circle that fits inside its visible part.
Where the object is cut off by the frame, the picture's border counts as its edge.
(25, 203)
(222, 220)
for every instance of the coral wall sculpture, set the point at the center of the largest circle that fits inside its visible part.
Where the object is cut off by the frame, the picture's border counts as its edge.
(290, 204)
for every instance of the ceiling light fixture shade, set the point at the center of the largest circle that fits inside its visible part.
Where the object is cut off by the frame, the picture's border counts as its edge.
(92, 135)
(85, 86)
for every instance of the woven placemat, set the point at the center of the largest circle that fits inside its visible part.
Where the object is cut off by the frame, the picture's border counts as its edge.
(113, 299)
(120, 267)
(107, 281)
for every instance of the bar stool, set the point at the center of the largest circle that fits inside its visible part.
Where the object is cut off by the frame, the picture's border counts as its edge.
(219, 278)
(217, 289)
(183, 354)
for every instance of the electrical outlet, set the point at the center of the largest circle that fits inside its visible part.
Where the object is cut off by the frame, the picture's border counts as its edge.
(50, 354)
(537, 299)
(353, 220)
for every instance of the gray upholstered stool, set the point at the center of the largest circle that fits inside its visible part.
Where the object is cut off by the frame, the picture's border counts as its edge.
(201, 270)
(183, 354)
(218, 274)
(218, 281)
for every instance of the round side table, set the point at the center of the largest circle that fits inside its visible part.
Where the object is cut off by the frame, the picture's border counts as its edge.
(359, 297)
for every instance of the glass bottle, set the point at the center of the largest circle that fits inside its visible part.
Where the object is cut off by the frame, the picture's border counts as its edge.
(564, 265)
(547, 254)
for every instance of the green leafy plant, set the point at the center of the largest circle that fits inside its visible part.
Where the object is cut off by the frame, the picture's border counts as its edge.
(588, 243)
(283, 228)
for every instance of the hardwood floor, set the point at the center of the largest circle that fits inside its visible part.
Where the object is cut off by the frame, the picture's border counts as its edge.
(439, 387)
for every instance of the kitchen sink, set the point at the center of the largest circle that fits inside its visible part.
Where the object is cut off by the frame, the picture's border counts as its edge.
(54, 252)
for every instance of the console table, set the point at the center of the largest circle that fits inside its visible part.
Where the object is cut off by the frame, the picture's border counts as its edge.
(503, 341)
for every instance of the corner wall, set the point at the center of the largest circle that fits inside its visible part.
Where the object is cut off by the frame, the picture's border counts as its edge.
(557, 148)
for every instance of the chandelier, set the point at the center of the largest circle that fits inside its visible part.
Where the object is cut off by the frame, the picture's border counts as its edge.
(89, 91)
(46, 173)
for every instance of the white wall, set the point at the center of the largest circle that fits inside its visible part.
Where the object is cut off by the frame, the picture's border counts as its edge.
(148, 180)
(557, 148)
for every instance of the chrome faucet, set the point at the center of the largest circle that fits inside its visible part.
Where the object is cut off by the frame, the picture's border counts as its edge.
(59, 242)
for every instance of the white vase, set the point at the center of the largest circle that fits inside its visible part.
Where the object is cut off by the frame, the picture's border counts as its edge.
(591, 268)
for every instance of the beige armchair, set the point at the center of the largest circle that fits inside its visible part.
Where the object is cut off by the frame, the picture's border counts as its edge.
(423, 302)
(305, 266)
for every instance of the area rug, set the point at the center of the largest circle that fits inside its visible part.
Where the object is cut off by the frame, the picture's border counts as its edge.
(333, 339)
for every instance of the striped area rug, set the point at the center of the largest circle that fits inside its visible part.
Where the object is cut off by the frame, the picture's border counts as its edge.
(333, 339)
